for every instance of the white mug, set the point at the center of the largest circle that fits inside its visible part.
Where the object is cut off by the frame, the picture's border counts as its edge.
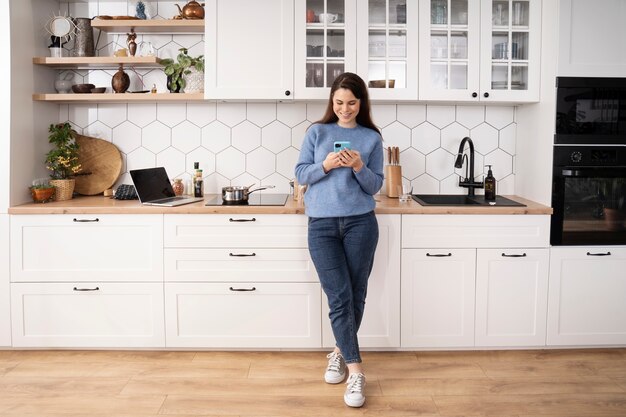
(328, 17)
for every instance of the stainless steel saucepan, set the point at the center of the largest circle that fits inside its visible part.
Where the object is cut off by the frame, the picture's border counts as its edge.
(239, 193)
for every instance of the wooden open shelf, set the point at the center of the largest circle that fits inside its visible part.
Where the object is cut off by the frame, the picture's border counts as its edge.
(120, 98)
(149, 26)
(98, 61)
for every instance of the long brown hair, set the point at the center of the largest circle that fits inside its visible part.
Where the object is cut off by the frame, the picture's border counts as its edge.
(355, 84)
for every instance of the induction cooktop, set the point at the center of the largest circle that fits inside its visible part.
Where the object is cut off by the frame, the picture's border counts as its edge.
(253, 200)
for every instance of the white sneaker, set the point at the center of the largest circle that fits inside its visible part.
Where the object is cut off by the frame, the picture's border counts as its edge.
(355, 392)
(336, 369)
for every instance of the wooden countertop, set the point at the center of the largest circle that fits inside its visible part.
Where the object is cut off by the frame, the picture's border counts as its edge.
(385, 205)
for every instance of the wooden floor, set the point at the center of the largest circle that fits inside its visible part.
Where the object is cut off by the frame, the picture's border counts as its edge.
(572, 383)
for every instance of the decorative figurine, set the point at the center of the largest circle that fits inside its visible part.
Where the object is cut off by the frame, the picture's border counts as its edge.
(130, 41)
(140, 10)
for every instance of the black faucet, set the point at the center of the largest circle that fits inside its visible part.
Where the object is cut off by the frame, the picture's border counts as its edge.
(468, 182)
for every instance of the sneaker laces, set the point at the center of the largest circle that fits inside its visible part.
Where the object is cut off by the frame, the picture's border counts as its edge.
(334, 361)
(355, 383)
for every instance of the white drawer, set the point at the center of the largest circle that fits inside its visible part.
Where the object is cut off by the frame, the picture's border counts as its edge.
(243, 314)
(87, 314)
(102, 247)
(249, 265)
(475, 231)
(235, 231)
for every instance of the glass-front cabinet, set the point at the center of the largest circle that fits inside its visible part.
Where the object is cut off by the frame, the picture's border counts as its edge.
(387, 40)
(485, 50)
(510, 51)
(325, 45)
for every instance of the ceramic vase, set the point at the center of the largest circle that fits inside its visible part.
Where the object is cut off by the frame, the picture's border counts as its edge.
(194, 81)
(120, 81)
(83, 44)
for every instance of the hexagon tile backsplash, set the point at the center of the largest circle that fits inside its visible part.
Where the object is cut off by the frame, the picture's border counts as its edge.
(246, 143)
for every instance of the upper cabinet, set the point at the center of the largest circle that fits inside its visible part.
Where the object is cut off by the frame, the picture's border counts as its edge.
(487, 50)
(387, 40)
(249, 49)
(376, 39)
(325, 45)
(591, 38)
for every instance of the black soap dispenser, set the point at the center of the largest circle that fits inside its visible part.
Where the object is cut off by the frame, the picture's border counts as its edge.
(490, 186)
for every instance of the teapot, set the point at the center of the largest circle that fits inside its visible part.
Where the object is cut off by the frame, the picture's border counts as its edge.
(191, 10)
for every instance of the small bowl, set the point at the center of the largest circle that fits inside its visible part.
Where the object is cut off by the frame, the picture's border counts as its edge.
(98, 90)
(82, 88)
(381, 83)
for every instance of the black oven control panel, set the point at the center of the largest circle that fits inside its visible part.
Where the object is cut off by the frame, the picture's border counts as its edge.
(590, 156)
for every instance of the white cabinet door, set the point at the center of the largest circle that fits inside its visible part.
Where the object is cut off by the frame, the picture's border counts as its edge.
(510, 50)
(511, 297)
(88, 314)
(591, 38)
(5, 309)
(437, 297)
(387, 45)
(587, 293)
(245, 265)
(380, 327)
(324, 48)
(249, 49)
(102, 247)
(236, 231)
(480, 50)
(243, 314)
(449, 50)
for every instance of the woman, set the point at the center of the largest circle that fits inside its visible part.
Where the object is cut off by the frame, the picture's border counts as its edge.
(343, 231)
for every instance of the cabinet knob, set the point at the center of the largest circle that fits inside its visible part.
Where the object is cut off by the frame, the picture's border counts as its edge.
(474, 94)
(287, 92)
(486, 95)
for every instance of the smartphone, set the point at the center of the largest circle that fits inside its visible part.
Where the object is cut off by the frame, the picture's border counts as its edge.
(341, 145)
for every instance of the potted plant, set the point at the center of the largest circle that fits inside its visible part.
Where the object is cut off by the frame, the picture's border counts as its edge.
(186, 73)
(62, 160)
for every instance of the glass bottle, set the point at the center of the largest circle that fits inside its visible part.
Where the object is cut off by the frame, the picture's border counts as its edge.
(198, 184)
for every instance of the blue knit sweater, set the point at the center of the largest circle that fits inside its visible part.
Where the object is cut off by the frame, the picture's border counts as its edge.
(340, 192)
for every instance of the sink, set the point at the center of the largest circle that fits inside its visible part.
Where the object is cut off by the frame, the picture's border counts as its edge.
(462, 200)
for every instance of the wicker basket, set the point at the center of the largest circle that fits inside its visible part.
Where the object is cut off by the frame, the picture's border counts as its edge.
(65, 189)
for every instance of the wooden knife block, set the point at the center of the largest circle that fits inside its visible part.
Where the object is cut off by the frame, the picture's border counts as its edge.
(393, 178)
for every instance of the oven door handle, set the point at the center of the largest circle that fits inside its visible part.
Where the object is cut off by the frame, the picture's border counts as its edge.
(594, 172)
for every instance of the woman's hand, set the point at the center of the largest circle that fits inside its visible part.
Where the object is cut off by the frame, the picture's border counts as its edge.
(351, 158)
(345, 158)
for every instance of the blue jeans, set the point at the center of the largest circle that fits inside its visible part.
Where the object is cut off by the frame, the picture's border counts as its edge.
(342, 249)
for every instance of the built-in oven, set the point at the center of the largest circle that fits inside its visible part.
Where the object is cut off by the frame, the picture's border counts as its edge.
(589, 195)
(590, 110)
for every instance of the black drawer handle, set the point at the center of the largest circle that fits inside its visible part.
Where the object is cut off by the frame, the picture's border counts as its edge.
(86, 289)
(598, 254)
(514, 255)
(242, 220)
(86, 220)
(242, 254)
(243, 289)
(438, 255)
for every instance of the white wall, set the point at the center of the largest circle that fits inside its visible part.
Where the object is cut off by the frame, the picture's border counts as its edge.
(536, 122)
(5, 135)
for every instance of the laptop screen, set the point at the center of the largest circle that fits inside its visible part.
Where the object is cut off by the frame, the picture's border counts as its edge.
(152, 184)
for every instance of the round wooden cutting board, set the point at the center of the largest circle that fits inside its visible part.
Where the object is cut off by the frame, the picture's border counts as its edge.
(101, 162)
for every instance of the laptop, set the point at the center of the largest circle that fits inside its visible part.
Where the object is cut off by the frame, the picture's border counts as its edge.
(154, 188)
